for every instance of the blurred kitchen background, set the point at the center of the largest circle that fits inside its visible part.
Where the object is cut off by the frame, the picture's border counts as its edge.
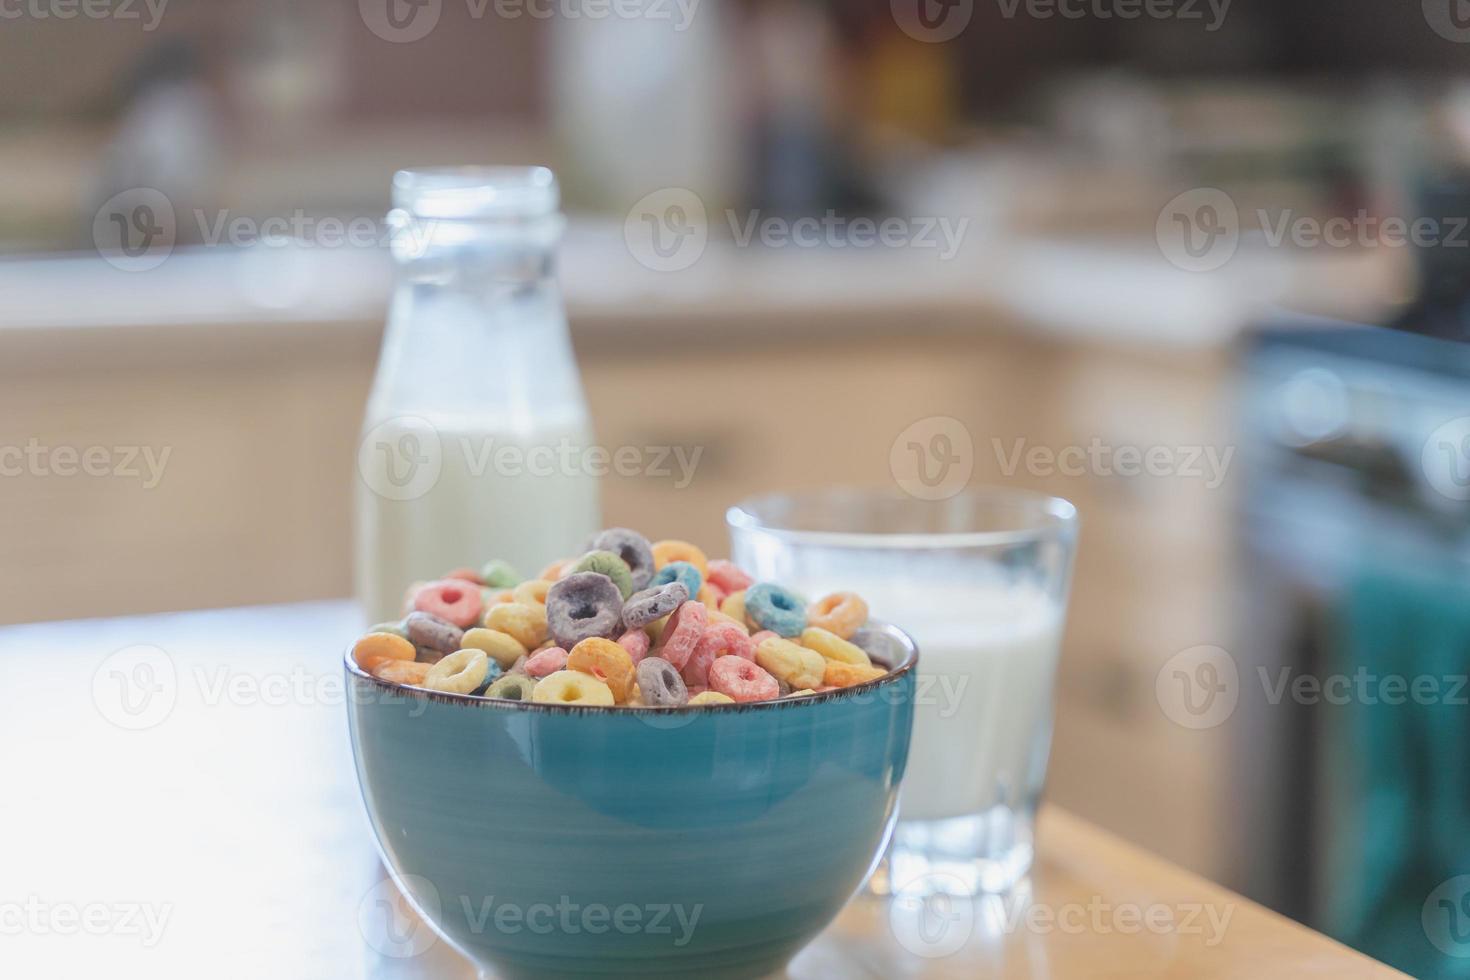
(1109, 281)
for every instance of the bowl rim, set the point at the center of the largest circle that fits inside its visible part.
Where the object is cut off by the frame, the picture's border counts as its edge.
(906, 665)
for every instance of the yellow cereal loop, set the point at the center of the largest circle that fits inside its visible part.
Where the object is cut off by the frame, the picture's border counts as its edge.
(839, 674)
(459, 673)
(500, 647)
(791, 662)
(834, 647)
(734, 607)
(571, 687)
(706, 595)
(532, 592)
(525, 622)
(378, 647)
(606, 661)
(655, 629)
(711, 697)
(797, 694)
(675, 550)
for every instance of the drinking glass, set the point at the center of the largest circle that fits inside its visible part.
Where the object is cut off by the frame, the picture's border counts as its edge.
(980, 581)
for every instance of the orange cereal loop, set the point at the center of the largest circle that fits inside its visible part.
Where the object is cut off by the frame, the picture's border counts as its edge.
(377, 647)
(401, 671)
(606, 661)
(841, 613)
(556, 570)
(675, 550)
(839, 674)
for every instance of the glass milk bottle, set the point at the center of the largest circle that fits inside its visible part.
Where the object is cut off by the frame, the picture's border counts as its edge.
(473, 445)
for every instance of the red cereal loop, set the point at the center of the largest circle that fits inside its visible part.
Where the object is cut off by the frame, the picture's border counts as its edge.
(727, 576)
(682, 631)
(742, 680)
(718, 640)
(544, 662)
(453, 600)
(468, 575)
(727, 640)
(696, 671)
(636, 642)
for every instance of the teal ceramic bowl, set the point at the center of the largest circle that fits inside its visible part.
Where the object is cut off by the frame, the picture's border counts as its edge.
(553, 841)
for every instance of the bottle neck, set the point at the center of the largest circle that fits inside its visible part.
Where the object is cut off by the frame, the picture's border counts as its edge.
(472, 254)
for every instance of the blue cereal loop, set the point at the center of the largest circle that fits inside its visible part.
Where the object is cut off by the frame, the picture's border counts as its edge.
(776, 609)
(681, 572)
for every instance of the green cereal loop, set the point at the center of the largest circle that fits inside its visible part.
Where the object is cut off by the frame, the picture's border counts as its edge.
(511, 687)
(396, 627)
(609, 564)
(499, 575)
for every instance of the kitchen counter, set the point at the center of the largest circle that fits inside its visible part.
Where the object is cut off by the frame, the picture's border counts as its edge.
(195, 802)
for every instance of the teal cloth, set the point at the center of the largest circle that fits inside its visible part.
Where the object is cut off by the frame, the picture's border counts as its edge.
(1396, 815)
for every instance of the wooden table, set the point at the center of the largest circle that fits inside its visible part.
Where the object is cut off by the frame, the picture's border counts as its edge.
(188, 808)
